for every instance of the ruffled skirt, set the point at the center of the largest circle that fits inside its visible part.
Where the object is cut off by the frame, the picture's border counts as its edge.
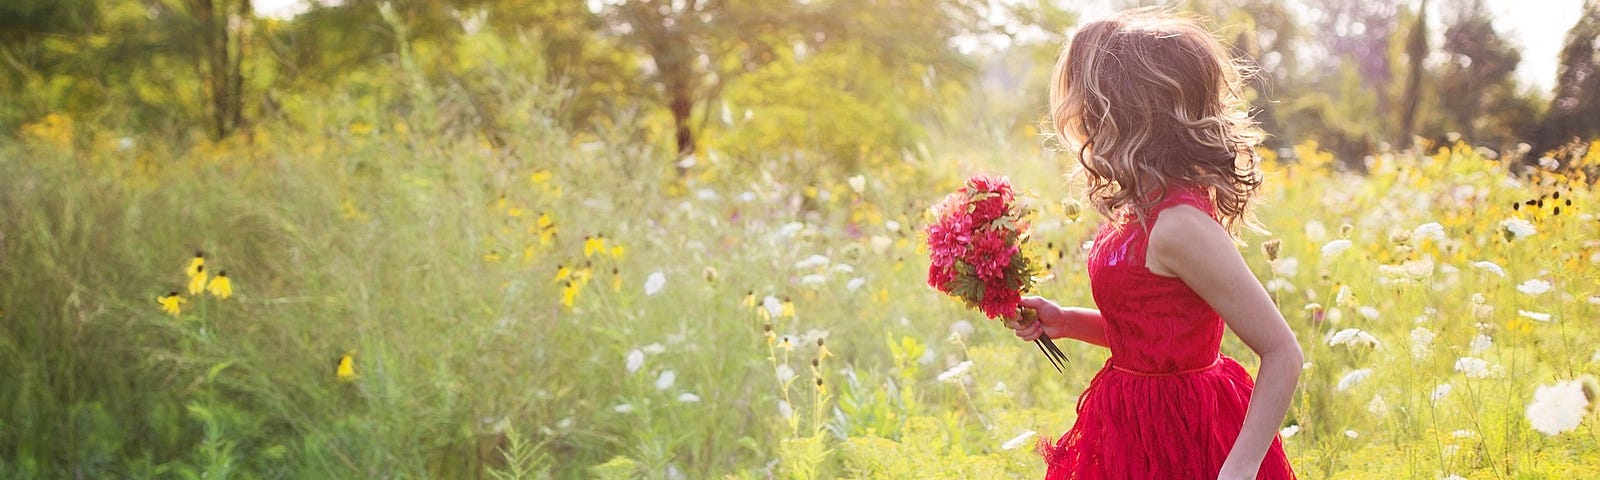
(1133, 426)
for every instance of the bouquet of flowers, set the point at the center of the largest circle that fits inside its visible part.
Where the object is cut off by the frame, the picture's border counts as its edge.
(978, 241)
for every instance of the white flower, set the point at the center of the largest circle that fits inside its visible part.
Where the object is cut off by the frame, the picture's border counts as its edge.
(791, 229)
(1432, 230)
(1463, 434)
(1440, 391)
(706, 194)
(961, 328)
(1536, 316)
(773, 305)
(635, 360)
(954, 373)
(1351, 433)
(623, 408)
(813, 280)
(813, 261)
(1534, 287)
(784, 373)
(687, 397)
(1018, 440)
(1557, 408)
(666, 379)
(1336, 247)
(881, 243)
(1473, 367)
(1377, 406)
(1345, 298)
(1289, 431)
(1351, 378)
(855, 284)
(1481, 343)
(654, 283)
(1490, 267)
(1454, 477)
(891, 225)
(1421, 341)
(1518, 228)
(1353, 337)
(857, 183)
(654, 348)
(1315, 230)
(1369, 312)
(1286, 267)
(784, 410)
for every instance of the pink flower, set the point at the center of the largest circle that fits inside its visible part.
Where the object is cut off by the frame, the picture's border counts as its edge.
(991, 255)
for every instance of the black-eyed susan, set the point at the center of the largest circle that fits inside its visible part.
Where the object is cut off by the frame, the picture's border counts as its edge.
(616, 280)
(617, 252)
(569, 293)
(195, 264)
(540, 177)
(345, 369)
(562, 273)
(769, 334)
(749, 299)
(172, 303)
(220, 286)
(492, 257)
(788, 307)
(822, 350)
(197, 280)
(594, 244)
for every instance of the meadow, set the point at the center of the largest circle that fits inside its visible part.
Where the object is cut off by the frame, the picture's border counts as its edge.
(406, 302)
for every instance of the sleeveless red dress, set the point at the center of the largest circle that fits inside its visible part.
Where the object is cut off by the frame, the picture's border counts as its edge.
(1167, 404)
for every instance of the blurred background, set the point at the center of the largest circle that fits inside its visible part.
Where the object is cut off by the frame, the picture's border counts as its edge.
(755, 76)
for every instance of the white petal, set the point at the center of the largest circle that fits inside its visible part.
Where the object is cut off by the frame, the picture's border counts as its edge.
(654, 283)
(666, 379)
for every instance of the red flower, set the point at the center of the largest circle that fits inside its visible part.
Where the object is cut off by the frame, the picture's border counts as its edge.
(991, 255)
(999, 301)
(939, 276)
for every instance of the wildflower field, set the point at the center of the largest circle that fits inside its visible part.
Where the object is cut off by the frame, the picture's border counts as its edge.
(367, 297)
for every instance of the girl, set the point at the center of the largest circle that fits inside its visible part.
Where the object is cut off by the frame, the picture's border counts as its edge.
(1152, 103)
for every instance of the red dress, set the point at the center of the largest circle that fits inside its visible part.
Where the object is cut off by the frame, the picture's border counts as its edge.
(1167, 404)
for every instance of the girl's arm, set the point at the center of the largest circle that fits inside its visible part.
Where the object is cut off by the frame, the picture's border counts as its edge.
(1084, 324)
(1188, 244)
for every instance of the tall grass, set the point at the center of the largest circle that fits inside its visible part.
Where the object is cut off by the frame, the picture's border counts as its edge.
(413, 244)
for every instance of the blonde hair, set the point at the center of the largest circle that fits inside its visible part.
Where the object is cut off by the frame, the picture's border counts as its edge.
(1152, 99)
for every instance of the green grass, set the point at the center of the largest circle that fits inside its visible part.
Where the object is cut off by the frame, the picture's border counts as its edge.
(393, 244)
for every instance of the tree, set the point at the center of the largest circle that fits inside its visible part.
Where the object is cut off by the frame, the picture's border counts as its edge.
(1416, 50)
(1477, 74)
(1575, 107)
(695, 47)
(222, 29)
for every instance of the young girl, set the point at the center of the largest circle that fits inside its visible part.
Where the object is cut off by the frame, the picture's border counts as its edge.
(1152, 103)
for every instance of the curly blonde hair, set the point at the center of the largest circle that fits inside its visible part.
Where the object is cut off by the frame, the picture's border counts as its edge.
(1152, 99)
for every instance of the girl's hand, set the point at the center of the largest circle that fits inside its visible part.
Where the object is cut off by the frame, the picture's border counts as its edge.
(1052, 320)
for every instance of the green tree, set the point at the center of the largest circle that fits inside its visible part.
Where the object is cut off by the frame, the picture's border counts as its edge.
(1477, 76)
(1575, 108)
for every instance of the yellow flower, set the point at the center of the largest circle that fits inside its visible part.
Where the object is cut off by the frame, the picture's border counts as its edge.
(540, 176)
(593, 245)
(220, 286)
(562, 273)
(197, 282)
(616, 280)
(172, 303)
(617, 252)
(492, 257)
(788, 307)
(346, 369)
(749, 299)
(569, 294)
(544, 221)
(195, 264)
(583, 275)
